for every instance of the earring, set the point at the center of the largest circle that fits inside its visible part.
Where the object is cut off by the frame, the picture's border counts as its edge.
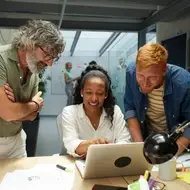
(105, 97)
(81, 95)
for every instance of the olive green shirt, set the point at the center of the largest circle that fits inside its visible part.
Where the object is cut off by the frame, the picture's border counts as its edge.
(11, 73)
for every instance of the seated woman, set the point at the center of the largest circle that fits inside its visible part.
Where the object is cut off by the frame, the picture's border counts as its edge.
(94, 118)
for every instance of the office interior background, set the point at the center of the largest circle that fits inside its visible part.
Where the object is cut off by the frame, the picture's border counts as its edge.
(108, 32)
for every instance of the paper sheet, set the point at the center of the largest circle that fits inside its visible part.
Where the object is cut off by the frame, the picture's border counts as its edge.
(43, 176)
(185, 159)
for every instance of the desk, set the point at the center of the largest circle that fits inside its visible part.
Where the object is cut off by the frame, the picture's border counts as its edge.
(8, 165)
(170, 185)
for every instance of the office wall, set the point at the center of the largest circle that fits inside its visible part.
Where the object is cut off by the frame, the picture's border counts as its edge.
(6, 35)
(167, 30)
(174, 28)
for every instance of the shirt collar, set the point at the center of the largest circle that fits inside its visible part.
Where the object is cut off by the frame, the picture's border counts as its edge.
(82, 112)
(12, 54)
(168, 83)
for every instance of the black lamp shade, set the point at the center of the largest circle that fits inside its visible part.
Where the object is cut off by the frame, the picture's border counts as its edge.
(159, 148)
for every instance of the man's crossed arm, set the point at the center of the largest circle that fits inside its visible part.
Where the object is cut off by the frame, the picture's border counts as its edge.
(13, 111)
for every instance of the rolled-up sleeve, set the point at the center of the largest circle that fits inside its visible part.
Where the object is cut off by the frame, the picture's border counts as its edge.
(3, 76)
(128, 100)
(185, 112)
(70, 135)
(121, 131)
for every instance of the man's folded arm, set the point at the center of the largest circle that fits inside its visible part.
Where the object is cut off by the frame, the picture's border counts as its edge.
(29, 117)
(11, 111)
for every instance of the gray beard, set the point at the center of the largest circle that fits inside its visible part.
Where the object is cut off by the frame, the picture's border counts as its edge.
(32, 63)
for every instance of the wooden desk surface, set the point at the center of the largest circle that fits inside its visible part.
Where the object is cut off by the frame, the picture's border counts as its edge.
(8, 165)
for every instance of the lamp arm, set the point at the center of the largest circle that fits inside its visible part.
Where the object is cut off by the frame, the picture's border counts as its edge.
(182, 127)
(174, 136)
(179, 131)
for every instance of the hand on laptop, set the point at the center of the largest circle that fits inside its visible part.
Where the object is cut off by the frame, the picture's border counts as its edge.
(83, 146)
(100, 141)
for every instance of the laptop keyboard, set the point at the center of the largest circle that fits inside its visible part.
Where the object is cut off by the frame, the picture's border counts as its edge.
(81, 163)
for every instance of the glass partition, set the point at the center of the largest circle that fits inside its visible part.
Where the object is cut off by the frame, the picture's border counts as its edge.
(119, 56)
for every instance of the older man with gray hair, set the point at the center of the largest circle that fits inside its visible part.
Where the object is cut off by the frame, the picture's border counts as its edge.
(34, 47)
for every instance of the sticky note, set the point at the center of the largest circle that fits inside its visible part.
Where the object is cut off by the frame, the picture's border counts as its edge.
(185, 177)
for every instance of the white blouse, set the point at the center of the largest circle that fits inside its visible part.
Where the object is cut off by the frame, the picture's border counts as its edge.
(77, 127)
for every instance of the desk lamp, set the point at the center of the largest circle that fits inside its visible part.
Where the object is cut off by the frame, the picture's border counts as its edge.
(161, 147)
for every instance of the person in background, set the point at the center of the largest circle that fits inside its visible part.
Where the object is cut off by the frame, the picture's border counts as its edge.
(92, 63)
(34, 47)
(94, 118)
(69, 82)
(157, 96)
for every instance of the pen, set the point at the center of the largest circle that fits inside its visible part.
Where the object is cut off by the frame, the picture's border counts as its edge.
(63, 168)
(186, 160)
(151, 183)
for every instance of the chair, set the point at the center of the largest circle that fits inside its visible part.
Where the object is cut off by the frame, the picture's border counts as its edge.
(60, 131)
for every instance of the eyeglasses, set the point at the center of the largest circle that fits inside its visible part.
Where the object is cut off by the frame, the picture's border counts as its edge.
(159, 185)
(48, 56)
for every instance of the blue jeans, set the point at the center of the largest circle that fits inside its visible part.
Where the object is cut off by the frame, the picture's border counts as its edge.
(69, 92)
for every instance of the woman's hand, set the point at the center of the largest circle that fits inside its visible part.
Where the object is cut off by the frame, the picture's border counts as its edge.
(83, 146)
(100, 141)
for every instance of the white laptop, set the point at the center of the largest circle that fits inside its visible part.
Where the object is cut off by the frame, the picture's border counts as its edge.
(113, 160)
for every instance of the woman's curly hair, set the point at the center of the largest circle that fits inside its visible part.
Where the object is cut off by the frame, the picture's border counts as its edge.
(109, 102)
